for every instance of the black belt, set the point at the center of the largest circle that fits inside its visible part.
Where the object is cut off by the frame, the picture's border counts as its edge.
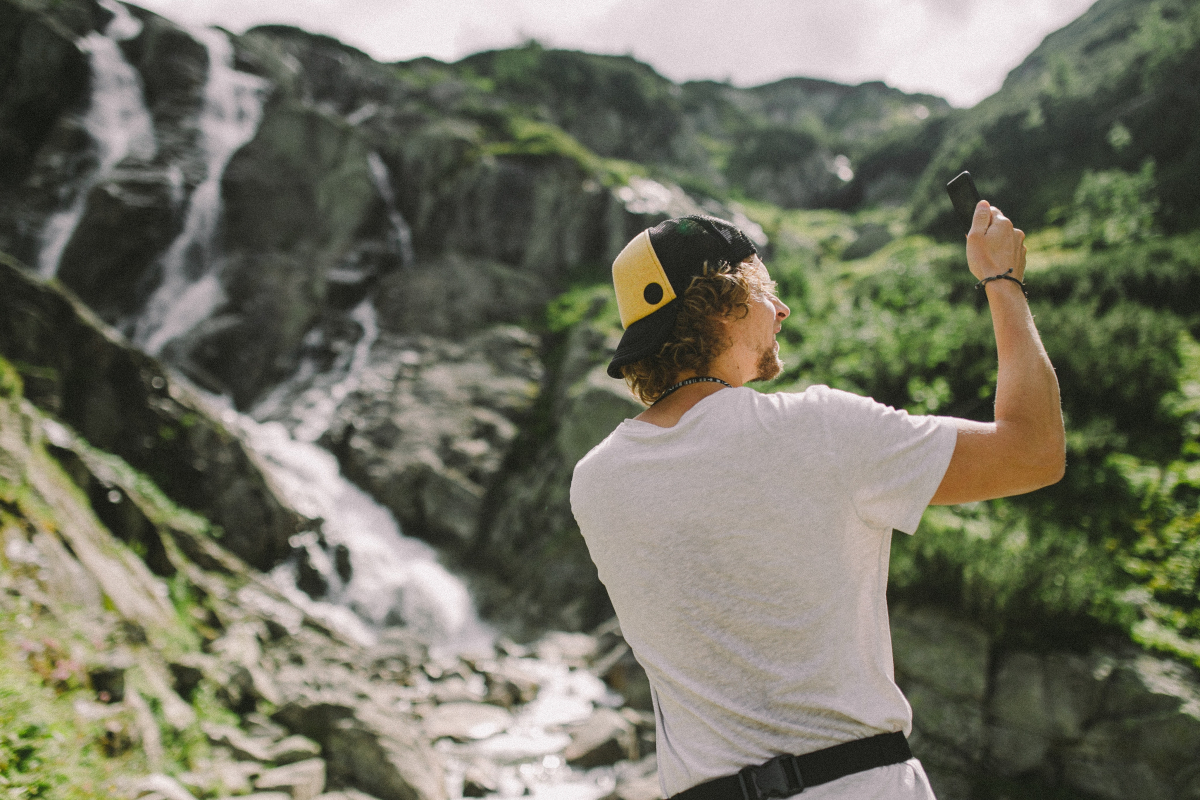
(786, 775)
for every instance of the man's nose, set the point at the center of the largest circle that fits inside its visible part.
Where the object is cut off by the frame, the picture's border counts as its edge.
(782, 312)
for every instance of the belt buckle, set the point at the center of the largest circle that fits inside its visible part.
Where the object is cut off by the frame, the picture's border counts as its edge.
(778, 778)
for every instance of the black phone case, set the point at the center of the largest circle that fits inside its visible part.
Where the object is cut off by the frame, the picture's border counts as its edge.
(964, 197)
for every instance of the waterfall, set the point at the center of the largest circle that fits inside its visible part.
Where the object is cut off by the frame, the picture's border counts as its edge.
(394, 579)
(116, 120)
(401, 232)
(306, 402)
(190, 290)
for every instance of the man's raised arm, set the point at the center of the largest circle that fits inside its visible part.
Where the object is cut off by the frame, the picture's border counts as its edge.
(1025, 448)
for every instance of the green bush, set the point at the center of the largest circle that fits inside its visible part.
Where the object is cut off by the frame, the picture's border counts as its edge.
(1113, 207)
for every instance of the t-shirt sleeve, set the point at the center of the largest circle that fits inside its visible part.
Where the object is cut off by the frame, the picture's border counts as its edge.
(892, 461)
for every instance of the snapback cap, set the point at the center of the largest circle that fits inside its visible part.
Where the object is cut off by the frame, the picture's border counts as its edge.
(656, 268)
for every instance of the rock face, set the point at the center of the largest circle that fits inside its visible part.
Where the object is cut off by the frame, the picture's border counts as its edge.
(1111, 723)
(44, 77)
(429, 427)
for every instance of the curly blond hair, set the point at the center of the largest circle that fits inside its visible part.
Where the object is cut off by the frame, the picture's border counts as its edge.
(697, 337)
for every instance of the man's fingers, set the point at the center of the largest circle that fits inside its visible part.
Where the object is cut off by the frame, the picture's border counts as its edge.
(982, 217)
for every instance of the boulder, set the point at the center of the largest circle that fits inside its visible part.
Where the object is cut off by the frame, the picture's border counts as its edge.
(377, 752)
(292, 749)
(605, 738)
(465, 721)
(303, 780)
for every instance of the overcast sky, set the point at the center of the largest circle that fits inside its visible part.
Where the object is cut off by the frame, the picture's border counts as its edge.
(958, 49)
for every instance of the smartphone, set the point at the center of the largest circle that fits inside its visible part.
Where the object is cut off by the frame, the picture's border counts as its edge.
(964, 196)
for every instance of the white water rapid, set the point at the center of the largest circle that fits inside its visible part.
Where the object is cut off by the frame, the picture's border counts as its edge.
(116, 120)
(190, 290)
(394, 580)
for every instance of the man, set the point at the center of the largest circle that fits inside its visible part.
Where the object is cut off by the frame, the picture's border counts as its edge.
(744, 537)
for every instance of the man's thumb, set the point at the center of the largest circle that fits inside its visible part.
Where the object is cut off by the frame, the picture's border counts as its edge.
(982, 217)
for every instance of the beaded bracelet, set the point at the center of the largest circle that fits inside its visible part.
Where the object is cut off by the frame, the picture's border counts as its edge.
(1004, 276)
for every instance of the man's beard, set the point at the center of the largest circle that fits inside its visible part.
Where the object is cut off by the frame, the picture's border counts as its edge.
(769, 365)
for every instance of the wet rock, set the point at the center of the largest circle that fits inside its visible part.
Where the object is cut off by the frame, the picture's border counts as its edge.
(572, 649)
(465, 721)
(508, 682)
(637, 780)
(604, 739)
(366, 748)
(294, 198)
(128, 221)
(480, 780)
(243, 747)
(156, 787)
(292, 749)
(431, 423)
(303, 780)
(45, 76)
(174, 69)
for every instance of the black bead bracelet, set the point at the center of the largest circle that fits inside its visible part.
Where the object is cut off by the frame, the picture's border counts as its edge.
(1004, 276)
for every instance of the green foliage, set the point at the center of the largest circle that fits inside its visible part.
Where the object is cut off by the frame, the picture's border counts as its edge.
(589, 302)
(1113, 207)
(771, 147)
(10, 380)
(532, 138)
(46, 750)
(1114, 548)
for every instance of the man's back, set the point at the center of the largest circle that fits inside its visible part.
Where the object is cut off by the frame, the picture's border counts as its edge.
(745, 550)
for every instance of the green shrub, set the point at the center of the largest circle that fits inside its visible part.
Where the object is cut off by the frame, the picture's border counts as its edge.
(10, 380)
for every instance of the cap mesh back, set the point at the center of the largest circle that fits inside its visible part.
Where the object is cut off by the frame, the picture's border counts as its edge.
(683, 245)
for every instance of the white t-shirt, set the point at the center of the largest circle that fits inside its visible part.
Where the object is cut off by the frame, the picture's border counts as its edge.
(745, 551)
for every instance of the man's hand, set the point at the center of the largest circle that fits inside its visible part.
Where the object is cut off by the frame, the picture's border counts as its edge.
(994, 246)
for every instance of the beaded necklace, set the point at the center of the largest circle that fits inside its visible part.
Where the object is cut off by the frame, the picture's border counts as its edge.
(697, 379)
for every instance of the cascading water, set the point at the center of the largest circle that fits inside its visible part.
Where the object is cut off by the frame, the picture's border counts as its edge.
(401, 232)
(307, 401)
(117, 122)
(392, 579)
(190, 290)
